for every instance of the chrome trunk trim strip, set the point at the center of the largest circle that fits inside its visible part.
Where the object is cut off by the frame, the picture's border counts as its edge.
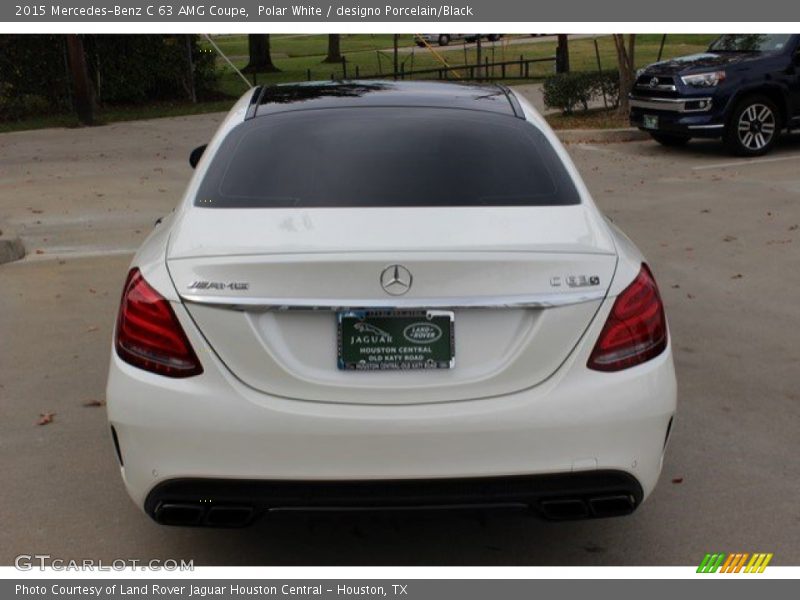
(547, 300)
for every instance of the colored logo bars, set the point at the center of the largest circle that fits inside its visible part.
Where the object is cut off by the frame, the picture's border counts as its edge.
(734, 563)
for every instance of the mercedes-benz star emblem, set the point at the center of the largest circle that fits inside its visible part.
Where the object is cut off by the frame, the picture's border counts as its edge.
(396, 280)
(653, 82)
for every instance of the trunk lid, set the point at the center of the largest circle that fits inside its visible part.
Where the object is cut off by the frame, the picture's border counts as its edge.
(264, 285)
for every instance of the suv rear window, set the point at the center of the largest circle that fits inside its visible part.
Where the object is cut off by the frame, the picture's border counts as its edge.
(388, 156)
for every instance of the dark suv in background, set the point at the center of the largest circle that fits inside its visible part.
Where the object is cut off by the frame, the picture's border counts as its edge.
(744, 89)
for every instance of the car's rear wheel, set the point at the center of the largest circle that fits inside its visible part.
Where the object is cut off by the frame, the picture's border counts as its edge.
(753, 127)
(669, 139)
(444, 40)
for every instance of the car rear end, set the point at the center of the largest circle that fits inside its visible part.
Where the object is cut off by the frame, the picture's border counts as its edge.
(381, 330)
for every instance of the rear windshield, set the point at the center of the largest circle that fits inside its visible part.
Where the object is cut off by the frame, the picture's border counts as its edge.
(386, 156)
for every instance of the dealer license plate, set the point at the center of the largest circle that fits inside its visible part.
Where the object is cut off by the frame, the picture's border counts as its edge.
(395, 340)
(651, 122)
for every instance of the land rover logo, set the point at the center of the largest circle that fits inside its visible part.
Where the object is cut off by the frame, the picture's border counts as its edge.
(422, 333)
(653, 82)
(396, 280)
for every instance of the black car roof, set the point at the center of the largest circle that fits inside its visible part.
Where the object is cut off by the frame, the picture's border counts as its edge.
(344, 94)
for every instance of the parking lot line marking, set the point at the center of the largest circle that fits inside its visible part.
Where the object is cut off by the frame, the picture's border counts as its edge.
(746, 162)
(585, 146)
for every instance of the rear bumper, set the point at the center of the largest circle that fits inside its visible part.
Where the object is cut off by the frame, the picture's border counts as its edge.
(219, 502)
(213, 427)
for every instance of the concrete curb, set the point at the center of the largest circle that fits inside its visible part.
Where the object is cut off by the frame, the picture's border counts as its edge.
(601, 136)
(11, 247)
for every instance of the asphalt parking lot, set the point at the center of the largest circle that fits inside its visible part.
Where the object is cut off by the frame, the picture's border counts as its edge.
(723, 239)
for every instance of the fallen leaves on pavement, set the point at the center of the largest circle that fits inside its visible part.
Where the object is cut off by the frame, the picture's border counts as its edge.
(45, 418)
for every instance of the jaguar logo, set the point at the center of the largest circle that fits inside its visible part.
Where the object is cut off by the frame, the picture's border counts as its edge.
(370, 328)
(422, 333)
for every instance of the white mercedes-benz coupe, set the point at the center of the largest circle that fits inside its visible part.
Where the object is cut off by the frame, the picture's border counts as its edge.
(388, 295)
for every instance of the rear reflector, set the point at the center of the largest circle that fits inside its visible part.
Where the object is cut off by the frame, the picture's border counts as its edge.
(636, 328)
(149, 335)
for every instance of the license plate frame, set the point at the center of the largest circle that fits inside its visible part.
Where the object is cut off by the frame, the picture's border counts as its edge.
(395, 340)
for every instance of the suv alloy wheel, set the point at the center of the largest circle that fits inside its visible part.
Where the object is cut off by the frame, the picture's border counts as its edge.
(753, 127)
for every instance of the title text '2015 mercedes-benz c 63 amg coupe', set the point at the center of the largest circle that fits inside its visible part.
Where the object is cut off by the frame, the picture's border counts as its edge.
(388, 295)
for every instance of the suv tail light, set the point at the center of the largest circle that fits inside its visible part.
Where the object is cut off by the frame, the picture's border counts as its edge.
(149, 335)
(636, 328)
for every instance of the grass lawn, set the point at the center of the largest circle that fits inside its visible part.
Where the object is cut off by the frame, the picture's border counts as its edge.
(300, 45)
(298, 55)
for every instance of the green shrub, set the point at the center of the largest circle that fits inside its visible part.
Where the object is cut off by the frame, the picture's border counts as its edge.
(567, 91)
(135, 69)
(32, 67)
(607, 83)
(15, 106)
(125, 69)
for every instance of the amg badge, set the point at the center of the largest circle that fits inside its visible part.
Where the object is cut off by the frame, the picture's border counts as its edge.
(219, 285)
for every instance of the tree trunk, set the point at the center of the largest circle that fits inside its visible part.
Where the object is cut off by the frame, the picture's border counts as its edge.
(562, 54)
(260, 54)
(395, 52)
(334, 51)
(626, 63)
(81, 86)
(191, 91)
(478, 55)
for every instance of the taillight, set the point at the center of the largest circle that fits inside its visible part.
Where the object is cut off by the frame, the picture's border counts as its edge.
(149, 335)
(636, 329)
